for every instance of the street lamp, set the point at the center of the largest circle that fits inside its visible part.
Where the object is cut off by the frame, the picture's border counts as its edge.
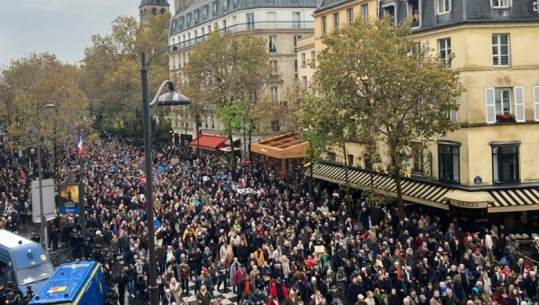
(167, 99)
(43, 221)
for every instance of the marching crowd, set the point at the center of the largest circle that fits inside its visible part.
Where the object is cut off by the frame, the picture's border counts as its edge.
(280, 245)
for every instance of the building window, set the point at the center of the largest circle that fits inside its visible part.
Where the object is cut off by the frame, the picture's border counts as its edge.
(295, 69)
(449, 163)
(389, 11)
(274, 94)
(296, 20)
(365, 11)
(313, 57)
(332, 156)
(214, 9)
(505, 164)
(350, 15)
(500, 3)
(502, 101)
(274, 68)
(417, 158)
(250, 21)
(444, 6)
(336, 20)
(272, 44)
(304, 82)
(324, 25)
(303, 60)
(500, 50)
(350, 160)
(296, 39)
(444, 50)
(414, 11)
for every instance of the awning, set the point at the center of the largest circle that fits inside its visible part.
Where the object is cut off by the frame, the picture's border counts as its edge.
(469, 200)
(421, 192)
(514, 200)
(285, 146)
(209, 142)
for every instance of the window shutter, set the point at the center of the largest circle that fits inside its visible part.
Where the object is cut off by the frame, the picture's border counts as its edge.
(536, 102)
(490, 106)
(454, 116)
(519, 104)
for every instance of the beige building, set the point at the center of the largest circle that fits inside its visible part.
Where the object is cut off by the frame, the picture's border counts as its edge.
(489, 164)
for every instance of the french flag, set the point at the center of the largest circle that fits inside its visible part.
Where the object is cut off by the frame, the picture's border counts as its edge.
(80, 148)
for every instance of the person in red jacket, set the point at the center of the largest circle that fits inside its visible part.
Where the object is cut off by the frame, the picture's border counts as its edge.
(240, 275)
(278, 290)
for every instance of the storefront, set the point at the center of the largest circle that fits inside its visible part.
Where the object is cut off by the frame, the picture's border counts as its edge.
(285, 148)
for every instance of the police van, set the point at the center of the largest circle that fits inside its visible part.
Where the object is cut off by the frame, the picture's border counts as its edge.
(23, 262)
(74, 283)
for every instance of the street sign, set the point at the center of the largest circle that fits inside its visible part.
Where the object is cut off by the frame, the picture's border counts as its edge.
(48, 200)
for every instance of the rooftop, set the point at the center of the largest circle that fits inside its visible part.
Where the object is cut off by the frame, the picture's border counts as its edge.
(12, 240)
(153, 2)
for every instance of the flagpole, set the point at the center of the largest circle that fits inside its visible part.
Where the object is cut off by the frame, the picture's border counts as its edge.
(82, 209)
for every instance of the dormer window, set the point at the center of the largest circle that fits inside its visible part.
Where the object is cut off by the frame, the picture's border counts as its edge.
(205, 12)
(182, 19)
(196, 16)
(189, 19)
(501, 3)
(235, 4)
(271, 2)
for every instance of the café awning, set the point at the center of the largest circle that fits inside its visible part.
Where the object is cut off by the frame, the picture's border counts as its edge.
(287, 146)
(208, 142)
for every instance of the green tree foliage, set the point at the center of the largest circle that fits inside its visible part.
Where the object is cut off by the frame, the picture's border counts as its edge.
(395, 90)
(314, 124)
(225, 70)
(111, 71)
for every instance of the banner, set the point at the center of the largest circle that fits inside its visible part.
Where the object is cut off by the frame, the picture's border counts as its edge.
(69, 197)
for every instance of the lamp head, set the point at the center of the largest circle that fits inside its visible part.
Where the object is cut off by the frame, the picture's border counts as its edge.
(173, 98)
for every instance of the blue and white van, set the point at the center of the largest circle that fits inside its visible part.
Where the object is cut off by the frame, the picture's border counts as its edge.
(23, 262)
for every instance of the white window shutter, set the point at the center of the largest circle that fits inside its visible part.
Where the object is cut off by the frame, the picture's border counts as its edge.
(454, 116)
(536, 102)
(519, 104)
(490, 106)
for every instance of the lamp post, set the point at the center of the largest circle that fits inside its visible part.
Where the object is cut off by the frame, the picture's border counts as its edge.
(43, 221)
(167, 99)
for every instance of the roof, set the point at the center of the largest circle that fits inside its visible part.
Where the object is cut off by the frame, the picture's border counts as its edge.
(207, 11)
(66, 283)
(209, 142)
(287, 146)
(327, 4)
(12, 240)
(153, 2)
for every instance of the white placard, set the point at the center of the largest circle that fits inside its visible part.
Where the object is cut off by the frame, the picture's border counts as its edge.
(48, 200)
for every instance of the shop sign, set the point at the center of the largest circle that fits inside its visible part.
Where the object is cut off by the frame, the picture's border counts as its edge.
(469, 204)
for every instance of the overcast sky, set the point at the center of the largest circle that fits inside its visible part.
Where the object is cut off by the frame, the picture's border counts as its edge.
(60, 27)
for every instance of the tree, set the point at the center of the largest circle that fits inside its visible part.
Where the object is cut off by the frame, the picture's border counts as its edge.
(394, 89)
(28, 85)
(313, 126)
(224, 70)
(111, 71)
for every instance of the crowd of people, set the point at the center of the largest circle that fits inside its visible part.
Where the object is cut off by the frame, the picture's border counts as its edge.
(279, 245)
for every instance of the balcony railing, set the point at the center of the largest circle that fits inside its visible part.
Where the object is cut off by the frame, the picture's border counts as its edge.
(247, 27)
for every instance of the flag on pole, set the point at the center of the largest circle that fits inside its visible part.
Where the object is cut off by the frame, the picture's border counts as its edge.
(80, 148)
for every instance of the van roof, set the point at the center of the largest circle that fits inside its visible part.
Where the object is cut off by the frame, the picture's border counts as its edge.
(12, 240)
(67, 282)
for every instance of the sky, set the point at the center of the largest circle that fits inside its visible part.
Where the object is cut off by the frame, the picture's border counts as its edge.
(60, 27)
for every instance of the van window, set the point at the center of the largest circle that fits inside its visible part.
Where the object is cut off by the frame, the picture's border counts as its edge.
(6, 274)
(34, 274)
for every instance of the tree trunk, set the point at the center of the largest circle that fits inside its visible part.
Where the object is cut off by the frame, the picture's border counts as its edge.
(232, 153)
(400, 203)
(311, 178)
